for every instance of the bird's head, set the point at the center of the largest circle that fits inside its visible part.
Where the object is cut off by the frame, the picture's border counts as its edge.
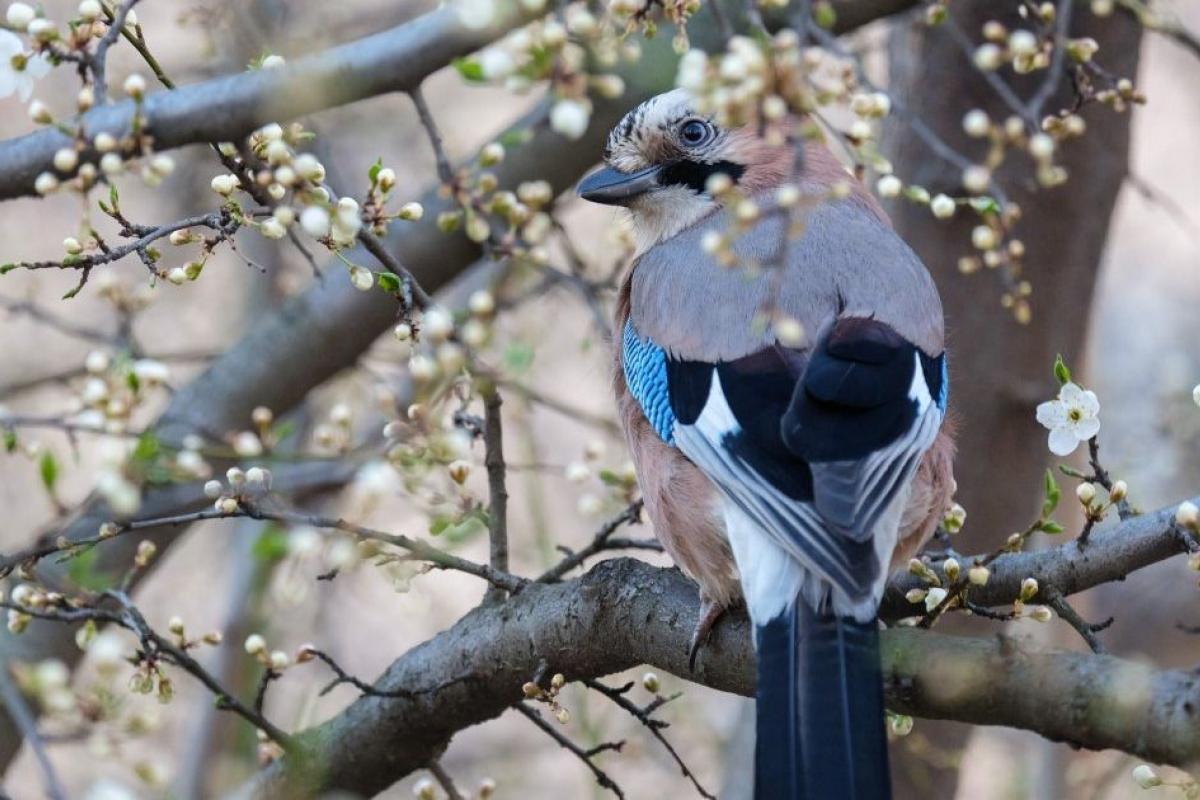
(660, 157)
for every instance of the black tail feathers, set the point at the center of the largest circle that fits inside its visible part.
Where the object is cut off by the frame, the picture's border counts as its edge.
(820, 709)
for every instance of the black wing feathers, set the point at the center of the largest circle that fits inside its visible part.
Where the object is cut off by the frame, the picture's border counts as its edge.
(854, 399)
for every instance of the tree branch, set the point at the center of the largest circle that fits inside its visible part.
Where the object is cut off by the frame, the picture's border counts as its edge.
(229, 108)
(624, 613)
(493, 439)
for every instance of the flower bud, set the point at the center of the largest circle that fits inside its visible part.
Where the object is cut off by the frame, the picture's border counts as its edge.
(1041, 614)
(1029, 589)
(978, 575)
(952, 568)
(134, 86)
(1187, 515)
(1118, 491)
(942, 206)
(255, 644)
(1143, 775)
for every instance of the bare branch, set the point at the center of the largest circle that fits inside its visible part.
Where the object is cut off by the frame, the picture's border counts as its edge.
(655, 726)
(12, 699)
(444, 780)
(586, 756)
(624, 612)
(99, 58)
(493, 441)
(600, 542)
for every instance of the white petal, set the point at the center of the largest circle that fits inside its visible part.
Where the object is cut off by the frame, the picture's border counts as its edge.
(1063, 441)
(1051, 413)
(38, 66)
(10, 45)
(1089, 403)
(24, 87)
(1086, 428)
(1069, 394)
(8, 82)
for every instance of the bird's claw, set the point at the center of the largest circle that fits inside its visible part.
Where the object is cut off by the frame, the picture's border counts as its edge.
(710, 612)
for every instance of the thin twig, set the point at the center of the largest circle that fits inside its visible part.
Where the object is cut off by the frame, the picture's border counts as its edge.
(444, 170)
(585, 756)
(493, 442)
(1054, 74)
(25, 721)
(631, 514)
(443, 778)
(99, 58)
(1087, 630)
(655, 726)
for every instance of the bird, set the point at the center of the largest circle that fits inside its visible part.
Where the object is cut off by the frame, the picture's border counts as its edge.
(791, 473)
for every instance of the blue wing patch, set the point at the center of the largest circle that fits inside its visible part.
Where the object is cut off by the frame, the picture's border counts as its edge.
(645, 365)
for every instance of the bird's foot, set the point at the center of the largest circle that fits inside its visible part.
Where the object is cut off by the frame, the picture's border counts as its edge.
(710, 612)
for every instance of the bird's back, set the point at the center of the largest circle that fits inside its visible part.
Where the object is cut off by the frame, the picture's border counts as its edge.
(847, 262)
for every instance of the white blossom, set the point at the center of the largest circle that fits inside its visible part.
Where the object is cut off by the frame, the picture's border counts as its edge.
(889, 186)
(1071, 418)
(476, 14)
(976, 123)
(570, 118)
(496, 63)
(315, 221)
(1145, 776)
(942, 206)
(19, 15)
(16, 79)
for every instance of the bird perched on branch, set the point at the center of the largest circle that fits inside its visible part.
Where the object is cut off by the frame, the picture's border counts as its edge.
(781, 377)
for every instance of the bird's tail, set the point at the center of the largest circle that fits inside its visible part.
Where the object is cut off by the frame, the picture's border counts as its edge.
(820, 709)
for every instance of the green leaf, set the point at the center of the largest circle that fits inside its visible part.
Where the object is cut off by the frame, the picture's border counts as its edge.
(373, 172)
(515, 137)
(147, 448)
(132, 380)
(83, 572)
(7, 268)
(518, 357)
(282, 430)
(1051, 527)
(472, 525)
(470, 69)
(1071, 472)
(388, 281)
(48, 467)
(114, 198)
(609, 478)
(1053, 493)
(1060, 370)
(271, 546)
(10, 440)
(824, 14)
(985, 205)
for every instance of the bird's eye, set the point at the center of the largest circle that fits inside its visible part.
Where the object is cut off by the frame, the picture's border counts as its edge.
(695, 132)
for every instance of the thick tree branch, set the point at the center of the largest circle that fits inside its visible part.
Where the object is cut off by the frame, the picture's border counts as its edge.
(624, 613)
(229, 108)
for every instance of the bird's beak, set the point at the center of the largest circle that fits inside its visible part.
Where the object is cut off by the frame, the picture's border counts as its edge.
(615, 188)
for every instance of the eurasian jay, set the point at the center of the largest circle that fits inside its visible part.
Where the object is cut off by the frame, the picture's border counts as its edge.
(806, 471)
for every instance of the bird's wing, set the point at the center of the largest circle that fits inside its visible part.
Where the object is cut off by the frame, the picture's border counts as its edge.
(812, 447)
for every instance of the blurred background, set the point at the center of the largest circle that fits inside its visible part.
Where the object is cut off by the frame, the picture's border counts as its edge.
(1140, 354)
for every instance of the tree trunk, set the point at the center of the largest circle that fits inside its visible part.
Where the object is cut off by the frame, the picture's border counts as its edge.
(999, 369)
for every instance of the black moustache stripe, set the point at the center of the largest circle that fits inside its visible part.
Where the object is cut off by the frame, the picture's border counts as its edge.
(695, 175)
